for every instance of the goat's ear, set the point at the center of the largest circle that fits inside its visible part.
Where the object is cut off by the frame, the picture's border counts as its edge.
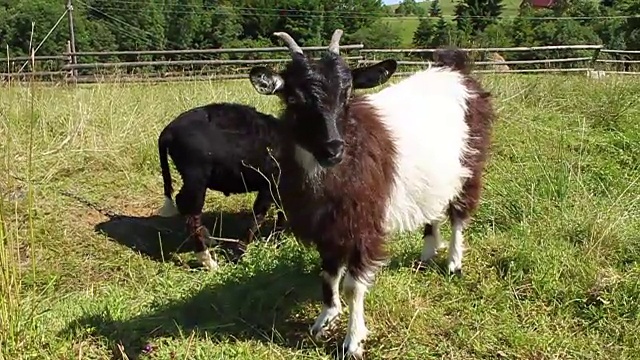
(265, 81)
(374, 75)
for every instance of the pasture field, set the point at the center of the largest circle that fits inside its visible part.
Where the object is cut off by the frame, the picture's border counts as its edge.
(407, 26)
(552, 269)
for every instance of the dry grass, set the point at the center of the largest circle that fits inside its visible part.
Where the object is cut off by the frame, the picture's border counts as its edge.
(551, 267)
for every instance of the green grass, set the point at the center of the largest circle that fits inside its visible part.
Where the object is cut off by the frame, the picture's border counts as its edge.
(551, 270)
(407, 26)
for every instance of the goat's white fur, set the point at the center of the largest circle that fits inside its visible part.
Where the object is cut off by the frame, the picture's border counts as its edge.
(432, 243)
(456, 246)
(205, 259)
(329, 313)
(168, 209)
(425, 115)
(357, 332)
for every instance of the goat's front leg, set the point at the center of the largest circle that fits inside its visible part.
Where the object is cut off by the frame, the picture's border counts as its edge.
(331, 308)
(356, 284)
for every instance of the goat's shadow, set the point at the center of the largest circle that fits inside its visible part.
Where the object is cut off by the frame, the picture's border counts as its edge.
(160, 238)
(268, 304)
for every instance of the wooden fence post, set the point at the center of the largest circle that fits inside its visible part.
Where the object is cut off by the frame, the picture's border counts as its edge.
(594, 59)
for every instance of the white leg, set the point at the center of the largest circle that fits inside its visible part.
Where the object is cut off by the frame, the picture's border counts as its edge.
(357, 331)
(432, 242)
(332, 308)
(205, 258)
(456, 246)
(168, 208)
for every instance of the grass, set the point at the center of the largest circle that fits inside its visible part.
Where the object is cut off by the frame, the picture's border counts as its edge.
(407, 26)
(551, 270)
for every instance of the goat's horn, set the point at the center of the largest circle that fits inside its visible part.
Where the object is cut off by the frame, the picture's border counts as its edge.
(334, 46)
(293, 46)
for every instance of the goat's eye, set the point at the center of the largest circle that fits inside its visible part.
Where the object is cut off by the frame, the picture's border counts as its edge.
(291, 99)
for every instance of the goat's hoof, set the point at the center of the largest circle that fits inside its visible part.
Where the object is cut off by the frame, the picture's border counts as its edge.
(454, 269)
(352, 350)
(318, 333)
(207, 261)
(324, 322)
(430, 252)
(211, 265)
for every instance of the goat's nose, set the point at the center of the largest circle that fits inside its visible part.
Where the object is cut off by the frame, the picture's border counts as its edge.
(335, 148)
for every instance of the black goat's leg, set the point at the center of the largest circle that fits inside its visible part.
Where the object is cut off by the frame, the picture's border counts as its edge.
(190, 201)
(260, 208)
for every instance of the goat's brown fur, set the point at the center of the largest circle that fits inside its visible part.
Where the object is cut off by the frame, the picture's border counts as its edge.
(343, 212)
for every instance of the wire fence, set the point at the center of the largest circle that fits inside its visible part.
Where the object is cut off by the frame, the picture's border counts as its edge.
(234, 63)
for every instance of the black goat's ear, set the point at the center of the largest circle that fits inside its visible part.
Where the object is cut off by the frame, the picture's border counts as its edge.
(367, 77)
(265, 81)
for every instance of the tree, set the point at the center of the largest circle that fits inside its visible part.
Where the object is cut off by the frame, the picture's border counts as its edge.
(378, 35)
(473, 16)
(631, 26)
(409, 7)
(43, 13)
(435, 10)
(137, 25)
(425, 33)
(184, 19)
(443, 33)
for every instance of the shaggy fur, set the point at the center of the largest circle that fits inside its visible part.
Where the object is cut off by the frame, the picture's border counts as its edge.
(358, 167)
(233, 149)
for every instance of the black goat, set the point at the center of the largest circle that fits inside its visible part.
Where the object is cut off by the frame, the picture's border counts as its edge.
(233, 149)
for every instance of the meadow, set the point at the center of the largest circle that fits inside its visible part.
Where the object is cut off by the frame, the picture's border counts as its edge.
(551, 269)
(407, 26)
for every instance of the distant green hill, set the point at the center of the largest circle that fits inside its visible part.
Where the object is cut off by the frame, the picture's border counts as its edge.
(408, 26)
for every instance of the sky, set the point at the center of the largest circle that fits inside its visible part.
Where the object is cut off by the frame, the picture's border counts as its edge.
(389, 2)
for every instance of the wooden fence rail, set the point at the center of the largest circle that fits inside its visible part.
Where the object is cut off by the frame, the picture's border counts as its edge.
(85, 67)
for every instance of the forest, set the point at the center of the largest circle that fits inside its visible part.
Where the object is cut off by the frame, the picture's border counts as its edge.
(106, 25)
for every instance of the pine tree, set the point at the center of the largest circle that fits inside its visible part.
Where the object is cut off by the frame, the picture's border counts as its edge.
(435, 10)
(423, 35)
(473, 16)
(442, 33)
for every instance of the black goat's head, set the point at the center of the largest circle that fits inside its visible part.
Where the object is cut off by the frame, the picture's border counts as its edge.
(316, 94)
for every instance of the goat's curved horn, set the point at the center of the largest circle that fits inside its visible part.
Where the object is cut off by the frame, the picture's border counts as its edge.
(334, 46)
(293, 46)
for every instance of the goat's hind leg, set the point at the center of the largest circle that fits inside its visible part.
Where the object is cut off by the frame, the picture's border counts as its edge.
(190, 201)
(432, 241)
(460, 212)
(260, 208)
